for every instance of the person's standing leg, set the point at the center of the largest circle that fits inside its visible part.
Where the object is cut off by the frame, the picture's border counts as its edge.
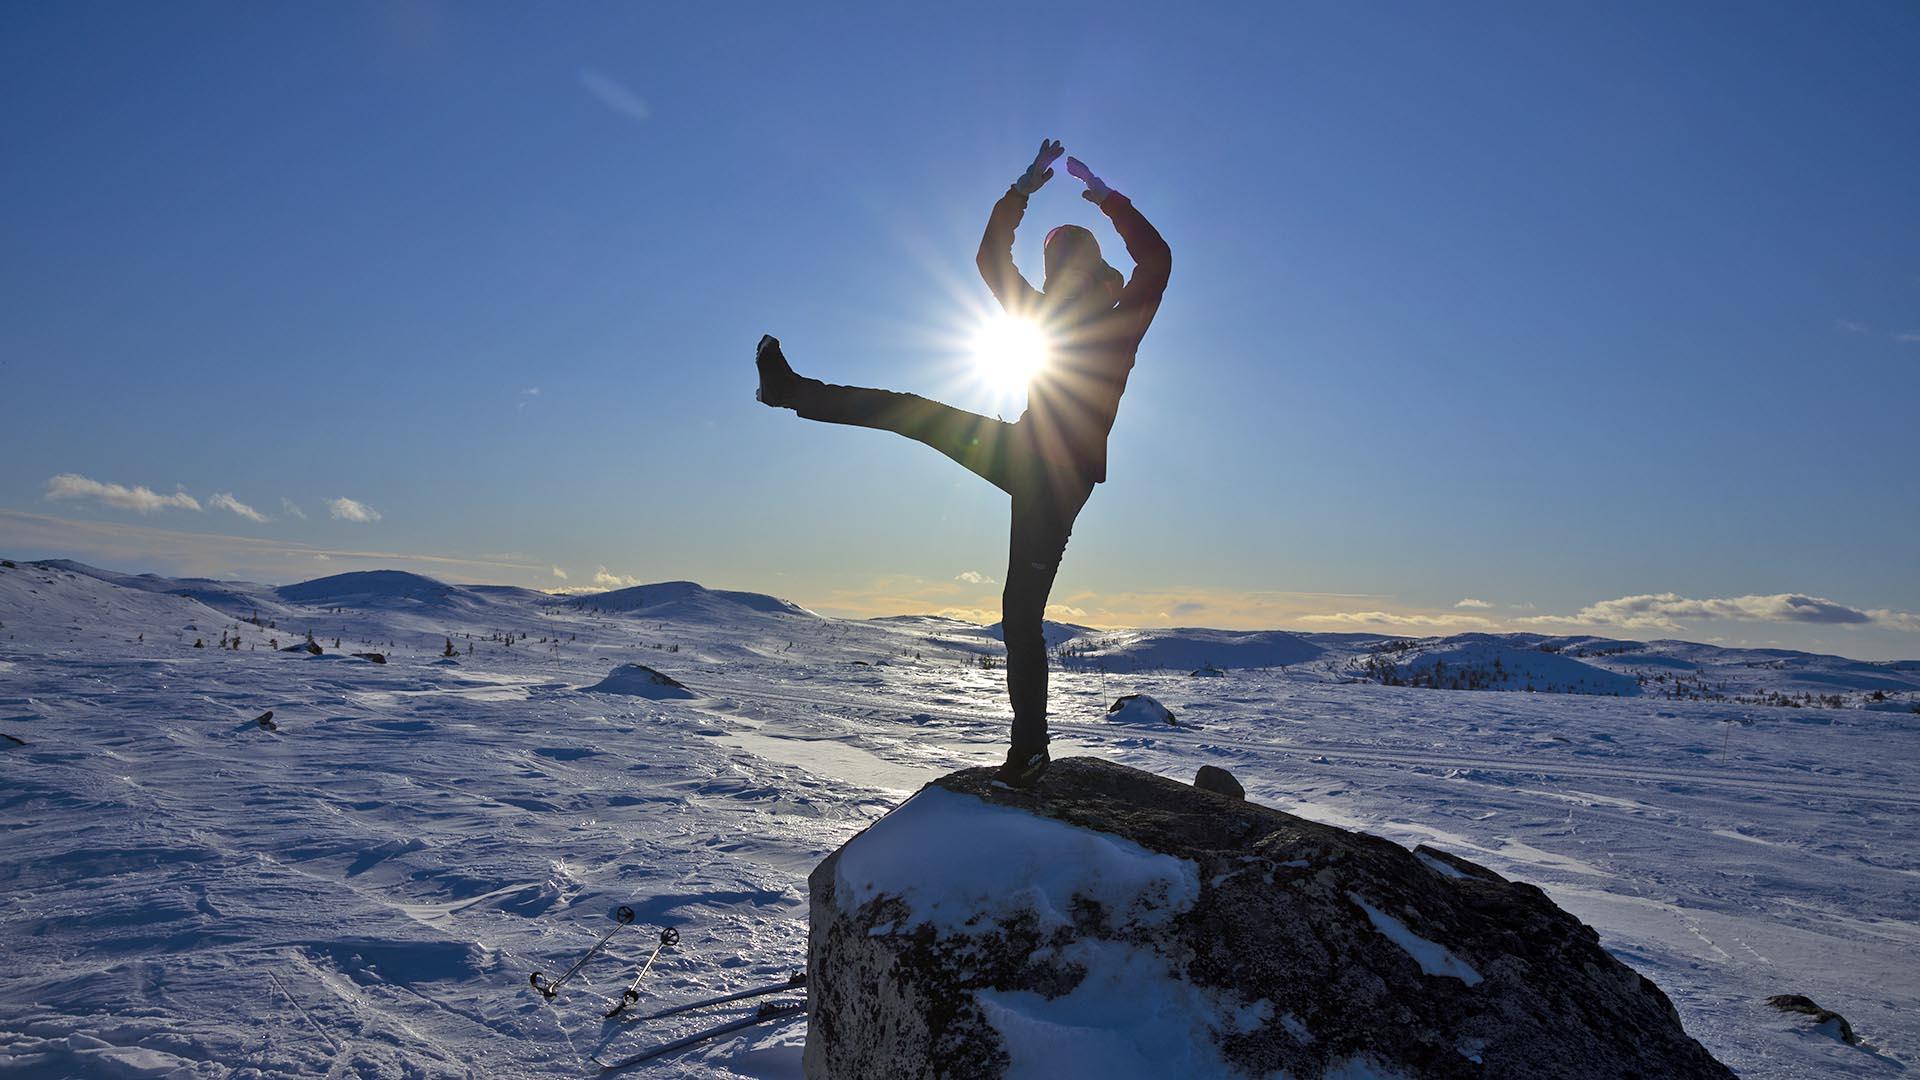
(1045, 503)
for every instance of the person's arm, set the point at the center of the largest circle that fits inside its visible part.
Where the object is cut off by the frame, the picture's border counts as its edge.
(995, 259)
(1152, 258)
(996, 255)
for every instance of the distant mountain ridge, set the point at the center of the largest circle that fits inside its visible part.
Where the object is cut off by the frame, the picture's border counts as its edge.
(1577, 664)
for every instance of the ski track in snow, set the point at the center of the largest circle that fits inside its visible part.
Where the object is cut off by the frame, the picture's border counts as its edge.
(364, 891)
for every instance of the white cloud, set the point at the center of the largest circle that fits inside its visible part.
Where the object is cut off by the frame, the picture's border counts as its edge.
(1663, 611)
(137, 498)
(1470, 602)
(614, 94)
(345, 509)
(292, 508)
(226, 501)
(973, 577)
(559, 573)
(1850, 326)
(1908, 336)
(608, 580)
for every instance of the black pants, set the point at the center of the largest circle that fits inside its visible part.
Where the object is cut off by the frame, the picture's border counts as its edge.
(1047, 496)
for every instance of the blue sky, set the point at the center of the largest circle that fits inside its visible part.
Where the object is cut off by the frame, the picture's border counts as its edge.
(1541, 307)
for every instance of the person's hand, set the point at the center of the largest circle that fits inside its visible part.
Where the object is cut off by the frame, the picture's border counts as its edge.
(1041, 170)
(1097, 189)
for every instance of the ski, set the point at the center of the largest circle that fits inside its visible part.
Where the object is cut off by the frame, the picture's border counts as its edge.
(772, 1010)
(794, 982)
(668, 937)
(550, 987)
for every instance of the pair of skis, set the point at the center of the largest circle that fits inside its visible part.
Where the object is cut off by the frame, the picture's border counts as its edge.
(766, 1013)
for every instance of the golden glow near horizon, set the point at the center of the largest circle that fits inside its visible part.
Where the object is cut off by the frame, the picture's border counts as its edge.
(1008, 352)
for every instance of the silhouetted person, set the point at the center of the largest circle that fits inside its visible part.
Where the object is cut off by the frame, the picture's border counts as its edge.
(1049, 459)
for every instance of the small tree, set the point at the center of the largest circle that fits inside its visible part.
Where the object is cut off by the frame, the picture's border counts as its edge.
(448, 651)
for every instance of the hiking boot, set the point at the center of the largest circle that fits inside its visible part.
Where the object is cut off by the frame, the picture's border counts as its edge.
(776, 378)
(1023, 768)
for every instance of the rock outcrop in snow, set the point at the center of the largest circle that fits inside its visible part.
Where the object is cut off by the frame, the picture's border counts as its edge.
(639, 680)
(1117, 924)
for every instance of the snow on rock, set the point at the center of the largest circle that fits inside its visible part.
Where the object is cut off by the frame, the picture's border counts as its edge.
(639, 680)
(954, 860)
(1140, 709)
(1114, 923)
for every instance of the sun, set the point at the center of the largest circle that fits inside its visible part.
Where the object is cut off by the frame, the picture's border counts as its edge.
(1008, 353)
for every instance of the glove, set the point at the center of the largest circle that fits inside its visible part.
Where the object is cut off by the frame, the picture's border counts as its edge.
(1097, 189)
(1041, 170)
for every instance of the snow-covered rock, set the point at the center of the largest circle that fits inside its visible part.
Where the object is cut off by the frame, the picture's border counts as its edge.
(1140, 709)
(1117, 924)
(639, 680)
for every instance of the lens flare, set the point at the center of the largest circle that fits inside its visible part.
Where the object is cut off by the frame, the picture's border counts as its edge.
(1008, 353)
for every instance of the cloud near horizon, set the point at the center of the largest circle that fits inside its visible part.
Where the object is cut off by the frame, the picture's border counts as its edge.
(1663, 611)
(603, 579)
(345, 509)
(138, 498)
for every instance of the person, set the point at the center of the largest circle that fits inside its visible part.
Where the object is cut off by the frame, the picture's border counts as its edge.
(1049, 459)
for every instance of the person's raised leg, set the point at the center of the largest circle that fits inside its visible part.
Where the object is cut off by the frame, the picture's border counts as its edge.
(981, 443)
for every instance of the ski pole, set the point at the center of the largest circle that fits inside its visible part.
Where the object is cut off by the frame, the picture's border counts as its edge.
(772, 1010)
(631, 994)
(794, 982)
(550, 987)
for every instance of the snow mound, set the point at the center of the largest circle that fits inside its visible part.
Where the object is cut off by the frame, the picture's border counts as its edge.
(639, 680)
(1494, 662)
(1140, 709)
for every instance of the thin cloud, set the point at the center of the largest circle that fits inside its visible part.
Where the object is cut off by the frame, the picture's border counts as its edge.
(140, 499)
(226, 501)
(1470, 602)
(292, 508)
(1850, 326)
(1907, 336)
(193, 554)
(345, 509)
(973, 577)
(559, 573)
(1398, 619)
(614, 94)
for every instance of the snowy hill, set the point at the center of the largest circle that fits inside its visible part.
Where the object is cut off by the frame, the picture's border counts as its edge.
(365, 888)
(1187, 648)
(380, 589)
(684, 600)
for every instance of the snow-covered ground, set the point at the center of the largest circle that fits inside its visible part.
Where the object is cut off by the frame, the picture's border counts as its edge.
(365, 890)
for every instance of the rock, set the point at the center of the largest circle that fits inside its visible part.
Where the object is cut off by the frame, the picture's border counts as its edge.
(640, 681)
(1140, 709)
(303, 646)
(1207, 671)
(372, 657)
(265, 720)
(1118, 924)
(1832, 1023)
(1219, 781)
